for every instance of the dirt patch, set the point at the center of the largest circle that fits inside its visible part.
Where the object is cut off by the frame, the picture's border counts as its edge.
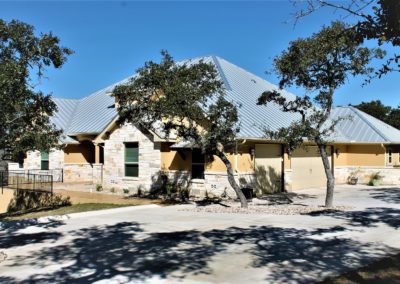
(79, 197)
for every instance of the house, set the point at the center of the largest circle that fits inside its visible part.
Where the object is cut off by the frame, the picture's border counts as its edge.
(100, 152)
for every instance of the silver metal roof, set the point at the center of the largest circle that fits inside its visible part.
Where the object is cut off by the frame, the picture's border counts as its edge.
(92, 114)
(361, 127)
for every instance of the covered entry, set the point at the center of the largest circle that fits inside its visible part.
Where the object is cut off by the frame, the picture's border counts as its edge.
(307, 168)
(268, 168)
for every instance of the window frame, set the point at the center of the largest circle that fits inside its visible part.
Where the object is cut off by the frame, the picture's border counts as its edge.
(390, 156)
(203, 163)
(131, 163)
(47, 160)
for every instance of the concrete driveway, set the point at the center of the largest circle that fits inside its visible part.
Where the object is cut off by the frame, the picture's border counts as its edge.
(154, 244)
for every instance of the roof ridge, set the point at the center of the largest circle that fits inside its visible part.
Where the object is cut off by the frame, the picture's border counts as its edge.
(221, 72)
(361, 115)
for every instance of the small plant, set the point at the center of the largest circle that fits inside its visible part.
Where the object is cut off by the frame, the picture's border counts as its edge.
(126, 190)
(353, 178)
(139, 191)
(206, 195)
(375, 179)
(169, 187)
(112, 190)
(99, 187)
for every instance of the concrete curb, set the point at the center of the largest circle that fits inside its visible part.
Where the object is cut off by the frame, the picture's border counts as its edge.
(60, 218)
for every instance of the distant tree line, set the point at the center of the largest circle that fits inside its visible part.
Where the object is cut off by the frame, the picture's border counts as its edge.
(378, 110)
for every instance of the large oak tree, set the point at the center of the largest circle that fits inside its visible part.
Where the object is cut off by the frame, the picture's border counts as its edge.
(320, 64)
(25, 110)
(186, 100)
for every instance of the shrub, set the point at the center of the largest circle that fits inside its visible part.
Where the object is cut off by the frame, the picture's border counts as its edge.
(126, 190)
(112, 190)
(99, 187)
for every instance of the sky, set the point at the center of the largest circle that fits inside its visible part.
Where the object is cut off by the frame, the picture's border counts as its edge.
(111, 39)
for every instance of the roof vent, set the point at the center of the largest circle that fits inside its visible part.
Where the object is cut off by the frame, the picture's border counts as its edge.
(254, 81)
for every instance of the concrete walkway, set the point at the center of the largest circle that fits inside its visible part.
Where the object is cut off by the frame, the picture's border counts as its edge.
(151, 244)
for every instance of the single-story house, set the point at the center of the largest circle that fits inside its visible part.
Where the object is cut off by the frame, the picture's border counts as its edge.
(98, 151)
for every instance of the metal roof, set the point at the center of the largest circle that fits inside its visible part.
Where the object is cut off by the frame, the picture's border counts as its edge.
(361, 127)
(94, 113)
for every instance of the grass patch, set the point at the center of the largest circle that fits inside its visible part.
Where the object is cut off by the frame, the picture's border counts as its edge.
(384, 271)
(75, 208)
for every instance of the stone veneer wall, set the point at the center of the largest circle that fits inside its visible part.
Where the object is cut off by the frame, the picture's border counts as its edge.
(78, 172)
(114, 156)
(391, 176)
(33, 158)
(216, 183)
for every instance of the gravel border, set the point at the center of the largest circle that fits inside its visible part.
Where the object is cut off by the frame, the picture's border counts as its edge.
(287, 209)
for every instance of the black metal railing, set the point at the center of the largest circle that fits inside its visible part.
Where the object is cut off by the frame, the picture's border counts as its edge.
(26, 181)
(58, 174)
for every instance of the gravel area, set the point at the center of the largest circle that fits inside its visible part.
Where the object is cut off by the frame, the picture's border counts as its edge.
(263, 207)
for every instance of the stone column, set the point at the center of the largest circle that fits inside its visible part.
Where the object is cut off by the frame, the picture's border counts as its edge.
(97, 173)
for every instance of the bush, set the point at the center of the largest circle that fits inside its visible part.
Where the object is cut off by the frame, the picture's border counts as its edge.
(99, 187)
(126, 190)
(112, 190)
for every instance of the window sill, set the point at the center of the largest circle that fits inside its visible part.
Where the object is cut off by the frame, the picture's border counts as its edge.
(130, 178)
(197, 180)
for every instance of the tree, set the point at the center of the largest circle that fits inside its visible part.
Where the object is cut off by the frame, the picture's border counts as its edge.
(371, 20)
(25, 112)
(186, 100)
(375, 109)
(320, 64)
(378, 110)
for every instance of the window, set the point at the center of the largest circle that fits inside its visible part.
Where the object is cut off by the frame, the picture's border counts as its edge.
(44, 161)
(131, 159)
(390, 156)
(197, 164)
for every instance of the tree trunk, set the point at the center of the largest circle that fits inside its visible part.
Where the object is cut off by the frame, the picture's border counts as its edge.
(330, 184)
(231, 179)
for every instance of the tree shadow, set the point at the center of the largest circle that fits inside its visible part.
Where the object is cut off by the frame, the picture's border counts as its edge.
(12, 237)
(267, 180)
(369, 217)
(125, 250)
(389, 195)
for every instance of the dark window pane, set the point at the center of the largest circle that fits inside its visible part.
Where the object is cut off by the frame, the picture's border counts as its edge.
(44, 165)
(197, 156)
(131, 170)
(198, 171)
(131, 153)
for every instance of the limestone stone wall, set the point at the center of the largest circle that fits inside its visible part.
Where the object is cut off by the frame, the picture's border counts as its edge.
(391, 176)
(78, 172)
(33, 159)
(114, 156)
(217, 183)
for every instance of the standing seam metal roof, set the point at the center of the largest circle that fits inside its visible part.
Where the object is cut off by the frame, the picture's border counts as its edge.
(94, 113)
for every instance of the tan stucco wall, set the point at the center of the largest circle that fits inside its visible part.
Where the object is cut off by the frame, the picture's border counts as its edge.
(173, 160)
(360, 155)
(82, 153)
(5, 198)
(182, 160)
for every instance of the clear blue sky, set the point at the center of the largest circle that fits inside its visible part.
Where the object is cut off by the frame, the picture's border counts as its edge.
(112, 39)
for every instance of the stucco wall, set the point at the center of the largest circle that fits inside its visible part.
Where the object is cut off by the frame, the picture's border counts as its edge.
(81, 153)
(6, 195)
(114, 167)
(360, 155)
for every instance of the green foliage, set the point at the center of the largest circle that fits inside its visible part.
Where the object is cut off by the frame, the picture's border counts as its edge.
(126, 190)
(320, 64)
(25, 112)
(99, 187)
(385, 113)
(112, 190)
(184, 99)
(371, 20)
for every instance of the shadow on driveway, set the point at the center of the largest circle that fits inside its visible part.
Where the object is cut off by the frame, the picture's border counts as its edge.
(124, 250)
